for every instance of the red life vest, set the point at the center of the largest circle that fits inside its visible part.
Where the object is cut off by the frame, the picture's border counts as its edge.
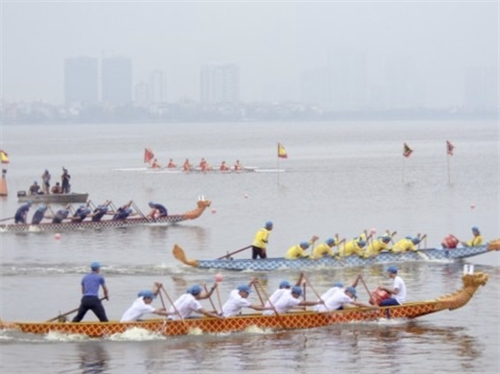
(450, 242)
(378, 296)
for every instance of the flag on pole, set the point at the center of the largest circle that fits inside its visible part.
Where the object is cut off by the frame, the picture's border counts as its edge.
(449, 148)
(148, 155)
(4, 157)
(281, 151)
(407, 151)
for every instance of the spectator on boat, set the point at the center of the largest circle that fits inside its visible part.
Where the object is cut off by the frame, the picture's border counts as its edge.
(187, 166)
(299, 250)
(406, 244)
(398, 289)
(354, 246)
(142, 305)
(46, 182)
(223, 166)
(61, 215)
(22, 212)
(91, 283)
(260, 241)
(171, 164)
(338, 300)
(157, 210)
(238, 299)
(123, 212)
(34, 189)
(292, 300)
(476, 240)
(65, 177)
(57, 189)
(100, 211)
(155, 164)
(324, 249)
(237, 165)
(378, 245)
(189, 303)
(81, 213)
(39, 215)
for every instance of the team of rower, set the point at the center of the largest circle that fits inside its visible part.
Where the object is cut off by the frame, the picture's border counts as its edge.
(203, 165)
(84, 212)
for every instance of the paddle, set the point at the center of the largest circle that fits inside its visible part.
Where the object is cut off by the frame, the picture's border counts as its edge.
(232, 253)
(218, 278)
(67, 313)
(210, 298)
(173, 305)
(270, 303)
(316, 294)
(364, 284)
(6, 219)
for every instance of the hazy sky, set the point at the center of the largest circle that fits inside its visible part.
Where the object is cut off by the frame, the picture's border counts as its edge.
(273, 42)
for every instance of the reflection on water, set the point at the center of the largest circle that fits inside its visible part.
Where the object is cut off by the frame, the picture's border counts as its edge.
(93, 357)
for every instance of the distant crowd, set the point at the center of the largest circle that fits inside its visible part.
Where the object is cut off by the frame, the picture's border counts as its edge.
(58, 188)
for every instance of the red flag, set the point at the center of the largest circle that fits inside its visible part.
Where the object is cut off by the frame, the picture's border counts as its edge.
(4, 157)
(148, 155)
(449, 148)
(407, 151)
(281, 151)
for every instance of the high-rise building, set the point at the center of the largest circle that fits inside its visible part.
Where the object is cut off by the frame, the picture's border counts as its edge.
(116, 80)
(157, 87)
(219, 83)
(481, 88)
(81, 80)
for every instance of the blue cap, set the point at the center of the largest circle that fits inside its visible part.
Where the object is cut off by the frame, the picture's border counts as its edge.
(475, 229)
(148, 293)
(361, 243)
(330, 241)
(408, 237)
(195, 290)
(304, 245)
(29, 202)
(352, 290)
(284, 284)
(297, 290)
(415, 240)
(386, 238)
(150, 203)
(244, 288)
(141, 293)
(392, 269)
(95, 265)
(128, 210)
(338, 284)
(42, 207)
(269, 224)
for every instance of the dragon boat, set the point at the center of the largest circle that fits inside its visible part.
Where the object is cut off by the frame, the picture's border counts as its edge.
(105, 223)
(286, 321)
(268, 264)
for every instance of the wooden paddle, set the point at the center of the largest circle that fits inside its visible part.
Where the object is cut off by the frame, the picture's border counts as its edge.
(67, 313)
(257, 283)
(233, 253)
(210, 298)
(6, 219)
(316, 294)
(364, 284)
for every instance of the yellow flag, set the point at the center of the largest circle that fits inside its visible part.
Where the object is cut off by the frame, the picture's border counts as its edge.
(4, 158)
(281, 151)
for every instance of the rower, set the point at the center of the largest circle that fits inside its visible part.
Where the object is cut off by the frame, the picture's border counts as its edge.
(81, 213)
(22, 212)
(39, 215)
(100, 211)
(61, 215)
(157, 210)
(123, 212)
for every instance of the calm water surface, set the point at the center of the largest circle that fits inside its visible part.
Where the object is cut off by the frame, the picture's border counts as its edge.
(339, 178)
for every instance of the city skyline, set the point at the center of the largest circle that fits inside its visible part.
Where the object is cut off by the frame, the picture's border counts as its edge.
(275, 46)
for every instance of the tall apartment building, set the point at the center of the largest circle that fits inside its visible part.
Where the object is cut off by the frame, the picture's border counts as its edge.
(81, 81)
(116, 80)
(219, 83)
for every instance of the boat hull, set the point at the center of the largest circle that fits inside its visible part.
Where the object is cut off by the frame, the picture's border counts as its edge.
(269, 264)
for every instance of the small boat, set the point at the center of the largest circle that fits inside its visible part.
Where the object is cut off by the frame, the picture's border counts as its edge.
(105, 223)
(285, 321)
(268, 264)
(59, 198)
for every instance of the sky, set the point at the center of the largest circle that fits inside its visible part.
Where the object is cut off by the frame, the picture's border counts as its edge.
(273, 42)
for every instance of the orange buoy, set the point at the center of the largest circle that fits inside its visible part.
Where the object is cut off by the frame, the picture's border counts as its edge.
(3, 184)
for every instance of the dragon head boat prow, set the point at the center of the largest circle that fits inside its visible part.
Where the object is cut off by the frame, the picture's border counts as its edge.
(494, 245)
(471, 283)
(202, 204)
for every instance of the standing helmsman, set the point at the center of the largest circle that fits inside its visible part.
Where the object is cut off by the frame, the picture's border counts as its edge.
(90, 290)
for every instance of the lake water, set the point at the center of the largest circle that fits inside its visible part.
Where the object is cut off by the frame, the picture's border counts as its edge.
(341, 177)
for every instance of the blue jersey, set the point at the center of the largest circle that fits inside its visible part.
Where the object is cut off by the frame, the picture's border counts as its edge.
(81, 214)
(99, 212)
(38, 216)
(122, 214)
(60, 215)
(161, 209)
(20, 216)
(91, 283)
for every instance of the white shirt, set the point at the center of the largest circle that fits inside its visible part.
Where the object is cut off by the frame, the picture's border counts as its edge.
(285, 303)
(137, 310)
(330, 293)
(399, 284)
(185, 305)
(274, 298)
(234, 304)
(334, 302)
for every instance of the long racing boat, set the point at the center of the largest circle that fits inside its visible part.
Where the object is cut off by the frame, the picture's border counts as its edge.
(268, 264)
(285, 321)
(105, 223)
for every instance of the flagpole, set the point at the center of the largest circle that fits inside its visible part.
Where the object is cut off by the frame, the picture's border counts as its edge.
(278, 165)
(448, 167)
(403, 173)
